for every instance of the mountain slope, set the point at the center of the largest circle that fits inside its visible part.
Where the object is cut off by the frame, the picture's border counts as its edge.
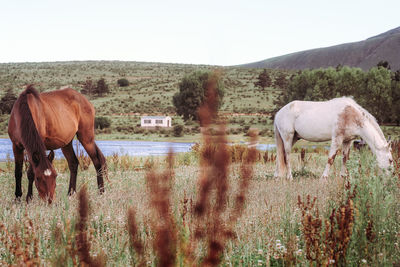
(364, 54)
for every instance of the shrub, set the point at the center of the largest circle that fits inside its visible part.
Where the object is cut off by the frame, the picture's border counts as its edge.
(178, 130)
(102, 122)
(123, 82)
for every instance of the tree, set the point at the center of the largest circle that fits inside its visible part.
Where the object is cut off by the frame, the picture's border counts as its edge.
(88, 87)
(263, 80)
(395, 84)
(281, 81)
(192, 92)
(7, 101)
(383, 64)
(102, 87)
(377, 95)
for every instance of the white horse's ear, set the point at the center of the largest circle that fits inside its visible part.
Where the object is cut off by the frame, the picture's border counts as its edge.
(47, 172)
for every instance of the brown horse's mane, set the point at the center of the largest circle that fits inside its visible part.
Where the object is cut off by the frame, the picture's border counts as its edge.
(31, 139)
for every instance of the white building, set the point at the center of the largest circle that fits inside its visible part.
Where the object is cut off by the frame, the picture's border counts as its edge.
(153, 121)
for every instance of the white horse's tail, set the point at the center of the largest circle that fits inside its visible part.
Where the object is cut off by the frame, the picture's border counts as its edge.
(280, 154)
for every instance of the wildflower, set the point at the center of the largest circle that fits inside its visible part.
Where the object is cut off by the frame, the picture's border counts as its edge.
(260, 251)
(331, 261)
(364, 261)
(260, 262)
(299, 252)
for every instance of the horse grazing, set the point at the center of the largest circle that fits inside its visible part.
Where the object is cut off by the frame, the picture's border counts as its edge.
(340, 120)
(48, 121)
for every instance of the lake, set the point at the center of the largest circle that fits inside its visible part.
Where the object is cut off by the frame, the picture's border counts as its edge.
(131, 148)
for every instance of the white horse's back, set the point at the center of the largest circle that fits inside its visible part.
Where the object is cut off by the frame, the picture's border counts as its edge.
(312, 121)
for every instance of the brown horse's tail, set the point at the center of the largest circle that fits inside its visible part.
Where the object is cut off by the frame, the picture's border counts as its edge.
(31, 139)
(280, 154)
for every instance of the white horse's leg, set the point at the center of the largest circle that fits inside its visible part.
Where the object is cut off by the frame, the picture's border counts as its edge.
(280, 168)
(331, 157)
(346, 151)
(288, 143)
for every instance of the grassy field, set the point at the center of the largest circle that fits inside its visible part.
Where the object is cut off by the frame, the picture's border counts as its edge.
(215, 205)
(272, 230)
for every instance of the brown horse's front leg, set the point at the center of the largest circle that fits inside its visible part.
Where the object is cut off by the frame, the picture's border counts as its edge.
(99, 162)
(101, 169)
(73, 164)
(31, 178)
(19, 161)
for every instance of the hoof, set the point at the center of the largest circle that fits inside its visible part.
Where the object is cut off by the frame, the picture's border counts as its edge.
(28, 199)
(71, 192)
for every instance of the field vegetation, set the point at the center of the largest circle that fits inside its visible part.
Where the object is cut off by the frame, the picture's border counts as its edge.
(216, 205)
(352, 221)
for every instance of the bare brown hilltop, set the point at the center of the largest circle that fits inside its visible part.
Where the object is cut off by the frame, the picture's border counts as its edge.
(364, 54)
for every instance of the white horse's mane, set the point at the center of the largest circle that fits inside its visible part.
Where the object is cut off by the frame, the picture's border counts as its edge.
(366, 115)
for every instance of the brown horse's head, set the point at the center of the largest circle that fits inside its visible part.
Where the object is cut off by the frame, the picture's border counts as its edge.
(45, 178)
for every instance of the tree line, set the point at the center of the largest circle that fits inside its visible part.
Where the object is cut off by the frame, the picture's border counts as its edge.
(377, 90)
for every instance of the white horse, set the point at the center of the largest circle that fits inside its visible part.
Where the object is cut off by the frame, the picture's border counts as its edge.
(340, 120)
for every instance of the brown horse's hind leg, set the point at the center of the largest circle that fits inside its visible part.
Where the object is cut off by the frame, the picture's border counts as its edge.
(98, 159)
(73, 164)
(19, 161)
(31, 178)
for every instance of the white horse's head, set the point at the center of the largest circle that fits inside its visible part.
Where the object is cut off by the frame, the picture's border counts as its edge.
(384, 157)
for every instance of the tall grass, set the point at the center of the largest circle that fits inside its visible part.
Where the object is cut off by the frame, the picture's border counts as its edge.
(356, 219)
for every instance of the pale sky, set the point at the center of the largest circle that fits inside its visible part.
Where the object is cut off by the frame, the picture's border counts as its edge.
(225, 32)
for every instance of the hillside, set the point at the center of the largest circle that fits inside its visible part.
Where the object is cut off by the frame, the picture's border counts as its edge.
(152, 86)
(364, 54)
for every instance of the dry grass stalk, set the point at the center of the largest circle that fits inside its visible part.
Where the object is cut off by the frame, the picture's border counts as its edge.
(246, 173)
(312, 225)
(329, 248)
(134, 238)
(84, 160)
(302, 156)
(215, 159)
(82, 240)
(338, 232)
(163, 224)
(269, 158)
(209, 223)
(25, 249)
(395, 145)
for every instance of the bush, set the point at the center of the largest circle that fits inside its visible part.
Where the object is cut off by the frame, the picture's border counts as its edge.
(123, 82)
(102, 122)
(7, 102)
(178, 130)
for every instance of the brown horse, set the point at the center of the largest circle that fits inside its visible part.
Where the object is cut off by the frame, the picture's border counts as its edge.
(48, 121)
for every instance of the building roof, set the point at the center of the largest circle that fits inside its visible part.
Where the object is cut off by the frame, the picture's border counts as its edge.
(154, 117)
